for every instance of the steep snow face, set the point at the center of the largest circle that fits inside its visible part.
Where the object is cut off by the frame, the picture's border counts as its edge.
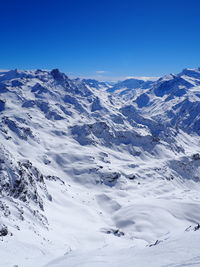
(96, 178)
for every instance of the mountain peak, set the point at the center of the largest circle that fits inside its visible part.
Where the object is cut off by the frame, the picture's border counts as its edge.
(192, 73)
(58, 76)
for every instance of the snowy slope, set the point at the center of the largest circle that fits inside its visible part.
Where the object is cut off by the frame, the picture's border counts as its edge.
(96, 180)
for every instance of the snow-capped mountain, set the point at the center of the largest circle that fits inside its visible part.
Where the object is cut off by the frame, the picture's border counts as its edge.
(127, 87)
(97, 84)
(94, 174)
(174, 100)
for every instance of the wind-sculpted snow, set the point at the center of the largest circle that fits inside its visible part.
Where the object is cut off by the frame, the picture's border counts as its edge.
(99, 174)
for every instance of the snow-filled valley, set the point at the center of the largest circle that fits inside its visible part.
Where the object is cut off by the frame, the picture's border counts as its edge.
(94, 174)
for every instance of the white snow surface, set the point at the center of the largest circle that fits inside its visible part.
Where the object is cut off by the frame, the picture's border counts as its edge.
(92, 178)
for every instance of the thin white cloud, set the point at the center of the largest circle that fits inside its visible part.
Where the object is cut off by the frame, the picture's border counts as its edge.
(102, 75)
(143, 78)
(100, 71)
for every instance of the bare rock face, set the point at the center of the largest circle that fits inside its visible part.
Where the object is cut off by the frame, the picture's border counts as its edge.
(21, 180)
(58, 76)
(2, 105)
(196, 156)
(110, 178)
(3, 230)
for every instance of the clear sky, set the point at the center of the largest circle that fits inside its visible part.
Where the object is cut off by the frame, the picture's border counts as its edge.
(102, 39)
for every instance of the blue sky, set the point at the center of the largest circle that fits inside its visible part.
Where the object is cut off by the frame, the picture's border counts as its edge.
(103, 39)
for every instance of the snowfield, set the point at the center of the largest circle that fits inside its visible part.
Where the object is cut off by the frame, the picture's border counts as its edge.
(94, 174)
